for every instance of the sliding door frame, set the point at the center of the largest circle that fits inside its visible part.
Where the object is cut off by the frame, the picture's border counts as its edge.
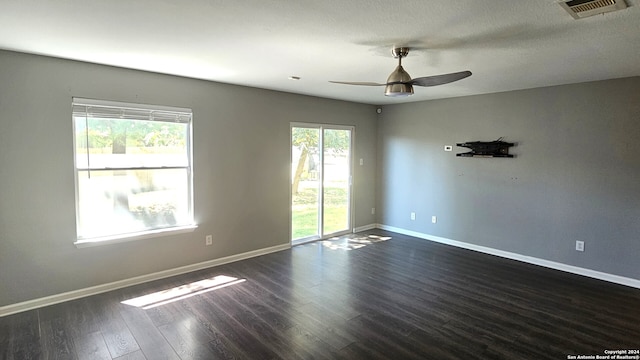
(321, 127)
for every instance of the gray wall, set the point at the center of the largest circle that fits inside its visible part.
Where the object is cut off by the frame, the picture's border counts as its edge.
(241, 171)
(576, 175)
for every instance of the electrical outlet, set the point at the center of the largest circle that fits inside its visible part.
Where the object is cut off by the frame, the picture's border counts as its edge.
(208, 240)
(579, 245)
(434, 219)
(373, 211)
(413, 216)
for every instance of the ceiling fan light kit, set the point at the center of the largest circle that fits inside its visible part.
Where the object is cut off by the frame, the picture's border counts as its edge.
(398, 90)
(400, 84)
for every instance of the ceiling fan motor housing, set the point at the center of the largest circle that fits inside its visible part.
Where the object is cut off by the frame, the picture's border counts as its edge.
(398, 83)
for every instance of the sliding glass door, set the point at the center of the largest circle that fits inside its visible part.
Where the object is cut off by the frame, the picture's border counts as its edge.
(321, 170)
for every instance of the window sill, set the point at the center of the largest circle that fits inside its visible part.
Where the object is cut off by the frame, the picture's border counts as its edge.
(108, 240)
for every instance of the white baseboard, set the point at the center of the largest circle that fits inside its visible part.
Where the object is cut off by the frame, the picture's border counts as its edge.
(365, 228)
(635, 283)
(94, 290)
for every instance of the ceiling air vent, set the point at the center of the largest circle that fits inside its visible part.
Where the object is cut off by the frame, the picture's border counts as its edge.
(584, 8)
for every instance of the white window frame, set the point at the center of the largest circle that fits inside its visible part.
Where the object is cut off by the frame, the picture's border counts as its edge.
(134, 111)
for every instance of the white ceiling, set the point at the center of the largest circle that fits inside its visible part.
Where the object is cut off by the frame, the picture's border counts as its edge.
(507, 44)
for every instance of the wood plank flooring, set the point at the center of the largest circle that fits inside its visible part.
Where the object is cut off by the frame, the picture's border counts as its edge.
(404, 298)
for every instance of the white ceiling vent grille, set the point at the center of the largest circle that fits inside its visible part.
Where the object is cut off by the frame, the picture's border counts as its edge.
(584, 8)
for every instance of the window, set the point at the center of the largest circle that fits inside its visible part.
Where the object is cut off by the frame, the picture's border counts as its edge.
(133, 169)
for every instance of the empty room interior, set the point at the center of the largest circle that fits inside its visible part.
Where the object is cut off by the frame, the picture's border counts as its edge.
(237, 180)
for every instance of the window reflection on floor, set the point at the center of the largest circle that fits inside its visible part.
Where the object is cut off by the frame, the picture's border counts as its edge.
(182, 292)
(353, 242)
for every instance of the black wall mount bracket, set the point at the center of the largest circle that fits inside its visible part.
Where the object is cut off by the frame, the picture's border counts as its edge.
(496, 148)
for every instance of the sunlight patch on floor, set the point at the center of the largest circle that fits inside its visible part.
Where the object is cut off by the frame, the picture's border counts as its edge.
(353, 242)
(182, 292)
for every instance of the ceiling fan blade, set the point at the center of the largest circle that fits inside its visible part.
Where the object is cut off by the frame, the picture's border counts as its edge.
(440, 79)
(363, 83)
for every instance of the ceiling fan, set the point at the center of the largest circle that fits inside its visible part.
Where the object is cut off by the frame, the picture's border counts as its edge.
(400, 83)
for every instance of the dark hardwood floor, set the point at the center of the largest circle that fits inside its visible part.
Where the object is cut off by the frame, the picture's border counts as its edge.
(404, 298)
